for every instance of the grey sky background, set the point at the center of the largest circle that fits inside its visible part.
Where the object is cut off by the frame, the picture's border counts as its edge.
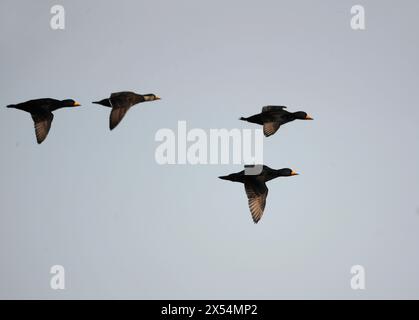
(97, 203)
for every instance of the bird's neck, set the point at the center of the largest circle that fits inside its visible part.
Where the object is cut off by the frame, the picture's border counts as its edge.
(294, 115)
(274, 174)
(58, 106)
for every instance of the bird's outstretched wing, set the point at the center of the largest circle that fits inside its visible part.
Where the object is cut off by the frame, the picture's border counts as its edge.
(270, 128)
(120, 103)
(257, 192)
(273, 108)
(42, 123)
(116, 116)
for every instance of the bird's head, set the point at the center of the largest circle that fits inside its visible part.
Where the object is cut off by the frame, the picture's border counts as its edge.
(151, 97)
(301, 115)
(286, 172)
(70, 103)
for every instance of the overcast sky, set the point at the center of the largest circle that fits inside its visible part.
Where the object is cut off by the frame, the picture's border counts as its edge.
(123, 226)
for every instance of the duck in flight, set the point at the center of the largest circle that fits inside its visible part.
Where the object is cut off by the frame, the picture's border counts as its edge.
(255, 186)
(273, 117)
(41, 112)
(121, 102)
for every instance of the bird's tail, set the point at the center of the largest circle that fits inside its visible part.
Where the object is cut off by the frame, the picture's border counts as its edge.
(104, 102)
(11, 106)
(234, 177)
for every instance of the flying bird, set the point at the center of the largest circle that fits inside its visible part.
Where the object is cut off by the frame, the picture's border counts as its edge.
(41, 112)
(273, 117)
(121, 102)
(255, 187)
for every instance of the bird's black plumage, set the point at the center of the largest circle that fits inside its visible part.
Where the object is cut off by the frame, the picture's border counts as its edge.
(273, 117)
(41, 112)
(121, 102)
(255, 186)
